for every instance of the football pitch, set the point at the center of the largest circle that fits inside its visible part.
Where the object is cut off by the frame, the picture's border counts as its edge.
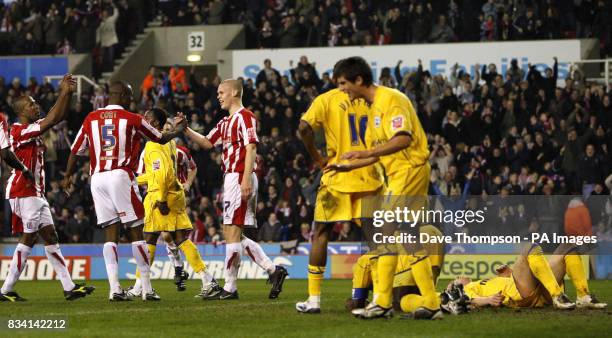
(254, 315)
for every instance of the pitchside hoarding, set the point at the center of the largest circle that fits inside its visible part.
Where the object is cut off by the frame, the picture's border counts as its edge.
(437, 58)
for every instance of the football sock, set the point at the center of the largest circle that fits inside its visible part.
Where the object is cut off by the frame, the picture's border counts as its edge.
(542, 271)
(315, 277)
(152, 248)
(195, 260)
(111, 260)
(54, 255)
(362, 277)
(141, 255)
(386, 272)
(411, 302)
(374, 273)
(575, 271)
(423, 278)
(174, 255)
(20, 257)
(232, 263)
(254, 250)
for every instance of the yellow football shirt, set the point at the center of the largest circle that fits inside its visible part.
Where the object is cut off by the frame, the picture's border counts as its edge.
(489, 287)
(344, 124)
(160, 172)
(391, 113)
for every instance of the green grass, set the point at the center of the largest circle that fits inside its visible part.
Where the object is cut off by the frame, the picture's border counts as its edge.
(180, 315)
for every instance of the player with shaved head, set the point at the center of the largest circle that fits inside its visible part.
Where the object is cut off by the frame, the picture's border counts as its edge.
(111, 137)
(238, 137)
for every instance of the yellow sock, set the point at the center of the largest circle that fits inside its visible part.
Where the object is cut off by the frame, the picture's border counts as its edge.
(152, 248)
(374, 273)
(575, 271)
(542, 271)
(386, 273)
(315, 277)
(423, 277)
(192, 255)
(411, 302)
(362, 278)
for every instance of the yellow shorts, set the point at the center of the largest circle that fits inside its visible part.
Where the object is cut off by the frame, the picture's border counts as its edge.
(538, 298)
(177, 219)
(335, 206)
(408, 188)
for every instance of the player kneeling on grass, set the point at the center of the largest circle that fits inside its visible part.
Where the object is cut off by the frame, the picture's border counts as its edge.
(165, 205)
(406, 294)
(532, 281)
(31, 213)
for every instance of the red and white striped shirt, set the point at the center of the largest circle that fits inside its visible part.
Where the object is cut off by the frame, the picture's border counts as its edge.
(112, 135)
(184, 163)
(29, 148)
(235, 132)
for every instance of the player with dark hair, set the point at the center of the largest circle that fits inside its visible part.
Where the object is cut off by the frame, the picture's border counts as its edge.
(340, 194)
(532, 281)
(396, 138)
(165, 204)
(111, 137)
(26, 193)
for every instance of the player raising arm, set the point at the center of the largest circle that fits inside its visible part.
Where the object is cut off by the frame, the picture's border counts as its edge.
(111, 137)
(237, 134)
(31, 212)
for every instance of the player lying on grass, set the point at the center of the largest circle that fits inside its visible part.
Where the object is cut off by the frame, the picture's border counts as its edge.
(165, 205)
(31, 212)
(532, 281)
(405, 289)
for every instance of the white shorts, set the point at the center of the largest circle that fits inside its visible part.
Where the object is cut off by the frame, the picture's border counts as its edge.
(116, 198)
(235, 210)
(31, 213)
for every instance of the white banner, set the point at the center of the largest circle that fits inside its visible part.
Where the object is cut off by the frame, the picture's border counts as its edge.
(437, 58)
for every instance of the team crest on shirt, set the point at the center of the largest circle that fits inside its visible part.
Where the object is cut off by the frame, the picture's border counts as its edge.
(156, 164)
(397, 123)
(376, 121)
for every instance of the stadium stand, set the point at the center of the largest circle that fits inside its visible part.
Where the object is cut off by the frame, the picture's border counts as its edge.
(515, 135)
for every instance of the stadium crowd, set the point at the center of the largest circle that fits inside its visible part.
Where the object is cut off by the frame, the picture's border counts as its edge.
(101, 27)
(314, 23)
(489, 135)
(517, 133)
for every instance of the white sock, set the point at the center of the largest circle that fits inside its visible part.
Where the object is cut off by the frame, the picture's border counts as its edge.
(141, 254)
(20, 257)
(174, 254)
(54, 255)
(137, 286)
(315, 300)
(232, 263)
(206, 277)
(111, 259)
(254, 250)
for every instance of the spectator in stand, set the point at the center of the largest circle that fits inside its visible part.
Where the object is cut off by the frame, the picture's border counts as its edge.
(577, 219)
(270, 231)
(441, 31)
(77, 228)
(106, 36)
(267, 73)
(177, 76)
(147, 82)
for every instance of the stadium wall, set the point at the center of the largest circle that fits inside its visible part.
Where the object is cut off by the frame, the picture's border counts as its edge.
(87, 262)
(437, 58)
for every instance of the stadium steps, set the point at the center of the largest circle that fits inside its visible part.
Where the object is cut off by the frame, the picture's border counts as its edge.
(129, 49)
